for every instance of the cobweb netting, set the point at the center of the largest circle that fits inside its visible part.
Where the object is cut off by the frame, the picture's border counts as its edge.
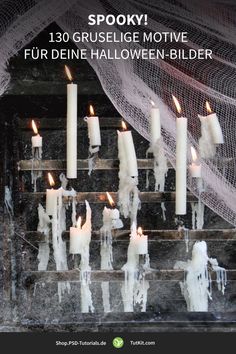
(131, 84)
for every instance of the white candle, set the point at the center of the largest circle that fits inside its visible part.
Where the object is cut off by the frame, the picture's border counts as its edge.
(80, 236)
(155, 124)
(111, 216)
(195, 168)
(214, 126)
(71, 130)
(51, 197)
(130, 154)
(181, 163)
(37, 140)
(76, 238)
(93, 128)
(139, 242)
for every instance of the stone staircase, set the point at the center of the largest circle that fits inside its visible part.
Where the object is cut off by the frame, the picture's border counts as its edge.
(38, 304)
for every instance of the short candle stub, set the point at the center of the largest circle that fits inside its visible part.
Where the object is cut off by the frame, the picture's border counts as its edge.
(214, 126)
(195, 166)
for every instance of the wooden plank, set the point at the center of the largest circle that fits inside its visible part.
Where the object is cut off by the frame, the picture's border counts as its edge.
(153, 235)
(60, 165)
(31, 277)
(100, 197)
(60, 123)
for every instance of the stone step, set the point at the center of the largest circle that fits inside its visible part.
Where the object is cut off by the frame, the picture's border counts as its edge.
(100, 197)
(60, 123)
(29, 278)
(163, 254)
(153, 235)
(36, 299)
(136, 322)
(82, 164)
(150, 216)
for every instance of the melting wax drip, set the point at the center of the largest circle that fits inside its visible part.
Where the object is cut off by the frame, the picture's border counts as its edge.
(134, 288)
(207, 147)
(59, 246)
(106, 248)
(85, 269)
(58, 222)
(106, 253)
(196, 287)
(106, 296)
(86, 295)
(93, 156)
(128, 193)
(185, 231)
(35, 175)
(197, 215)
(160, 167)
(8, 201)
(44, 228)
(163, 208)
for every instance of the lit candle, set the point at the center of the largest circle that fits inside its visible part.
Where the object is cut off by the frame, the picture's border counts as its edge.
(181, 162)
(111, 220)
(37, 140)
(214, 126)
(76, 238)
(155, 124)
(127, 145)
(93, 128)
(139, 241)
(51, 197)
(112, 215)
(71, 130)
(195, 168)
(80, 236)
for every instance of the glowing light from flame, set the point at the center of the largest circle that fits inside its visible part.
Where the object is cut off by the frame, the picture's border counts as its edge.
(68, 73)
(194, 154)
(152, 103)
(140, 231)
(91, 110)
(124, 126)
(79, 221)
(34, 127)
(51, 180)
(110, 199)
(208, 107)
(177, 105)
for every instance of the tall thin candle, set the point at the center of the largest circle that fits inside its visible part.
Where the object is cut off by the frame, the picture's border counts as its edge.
(71, 131)
(181, 162)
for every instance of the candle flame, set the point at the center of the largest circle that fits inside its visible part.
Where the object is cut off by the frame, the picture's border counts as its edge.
(194, 154)
(124, 126)
(177, 105)
(208, 107)
(110, 199)
(140, 231)
(68, 73)
(79, 221)
(51, 180)
(34, 127)
(152, 103)
(91, 110)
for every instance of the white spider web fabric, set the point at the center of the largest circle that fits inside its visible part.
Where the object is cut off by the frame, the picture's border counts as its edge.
(131, 84)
